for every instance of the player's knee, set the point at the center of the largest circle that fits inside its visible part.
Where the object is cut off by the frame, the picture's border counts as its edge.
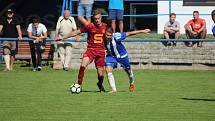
(108, 70)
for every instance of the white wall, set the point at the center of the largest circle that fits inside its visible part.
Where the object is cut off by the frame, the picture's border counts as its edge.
(178, 8)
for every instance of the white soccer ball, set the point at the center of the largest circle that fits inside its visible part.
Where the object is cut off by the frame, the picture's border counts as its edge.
(75, 88)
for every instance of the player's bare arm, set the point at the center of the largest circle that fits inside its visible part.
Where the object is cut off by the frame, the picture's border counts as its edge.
(19, 32)
(145, 31)
(72, 34)
(83, 20)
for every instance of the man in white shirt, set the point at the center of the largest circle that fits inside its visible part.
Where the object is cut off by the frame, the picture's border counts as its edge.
(171, 29)
(65, 25)
(38, 32)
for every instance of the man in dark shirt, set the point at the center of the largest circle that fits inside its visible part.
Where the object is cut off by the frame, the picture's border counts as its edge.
(10, 27)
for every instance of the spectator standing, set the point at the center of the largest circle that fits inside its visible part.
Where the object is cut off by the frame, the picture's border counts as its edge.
(213, 18)
(85, 9)
(65, 25)
(195, 29)
(171, 29)
(116, 12)
(10, 27)
(38, 32)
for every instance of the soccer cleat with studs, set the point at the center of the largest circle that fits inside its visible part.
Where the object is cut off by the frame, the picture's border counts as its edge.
(101, 88)
(131, 87)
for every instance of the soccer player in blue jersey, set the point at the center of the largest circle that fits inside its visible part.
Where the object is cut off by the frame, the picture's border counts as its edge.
(116, 53)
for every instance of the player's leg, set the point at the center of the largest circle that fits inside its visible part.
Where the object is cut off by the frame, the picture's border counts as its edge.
(100, 79)
(111, 79)
(100, 64)
(111, 63)
(87, 59)
(131, 78)
(84, 64)
(127, 67)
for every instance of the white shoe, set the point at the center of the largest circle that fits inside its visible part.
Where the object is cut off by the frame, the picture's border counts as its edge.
(112, 91)
(39, 68)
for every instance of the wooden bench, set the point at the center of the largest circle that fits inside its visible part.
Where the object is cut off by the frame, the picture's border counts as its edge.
(24, 52)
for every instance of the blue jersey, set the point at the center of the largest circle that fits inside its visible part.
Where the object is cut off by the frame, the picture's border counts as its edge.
(213, 29)
(115, 47)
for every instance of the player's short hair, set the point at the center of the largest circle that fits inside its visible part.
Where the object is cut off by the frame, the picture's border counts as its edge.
(109, 29)
(36, 20)
(213, 13)
(172, 14)
(96, 12)
(195, 12)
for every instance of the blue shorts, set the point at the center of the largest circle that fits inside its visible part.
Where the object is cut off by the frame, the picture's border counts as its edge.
(213, 30)
(115, 14)
(85, 10)
(112, 62)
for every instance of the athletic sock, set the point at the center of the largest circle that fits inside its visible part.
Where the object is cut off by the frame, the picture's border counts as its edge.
(131, 77)
(81, 75)
(7, 61)
(100, 79)
(112, 81)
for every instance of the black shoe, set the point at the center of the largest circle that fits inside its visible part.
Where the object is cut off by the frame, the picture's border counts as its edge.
(39, 68)
(101, 88)
(66, 69)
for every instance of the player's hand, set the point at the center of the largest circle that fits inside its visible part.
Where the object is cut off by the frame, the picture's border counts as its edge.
(58, 39)
(19, 38)
(194, 33)
(78, 38)
(146, 31)
(37, 40)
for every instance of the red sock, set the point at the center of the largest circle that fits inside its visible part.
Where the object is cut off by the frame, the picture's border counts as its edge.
(81, 75)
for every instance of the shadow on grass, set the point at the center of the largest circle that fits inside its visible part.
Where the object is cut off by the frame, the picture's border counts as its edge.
(198, 99)
(93, 91)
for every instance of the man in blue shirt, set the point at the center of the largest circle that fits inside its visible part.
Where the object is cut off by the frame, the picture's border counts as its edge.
(116, 12)
(116, 53)
(213, 18)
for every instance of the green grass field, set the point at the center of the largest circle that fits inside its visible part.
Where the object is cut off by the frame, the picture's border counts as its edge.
(159, 96)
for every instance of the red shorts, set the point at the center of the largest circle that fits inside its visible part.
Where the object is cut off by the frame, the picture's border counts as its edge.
(98, 56)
